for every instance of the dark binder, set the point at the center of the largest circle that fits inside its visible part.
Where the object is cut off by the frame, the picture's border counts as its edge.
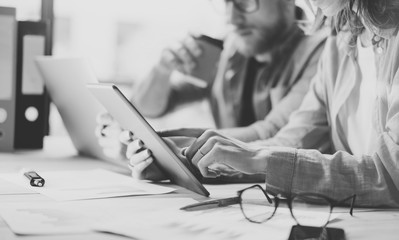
(8, 36)
(31, 98)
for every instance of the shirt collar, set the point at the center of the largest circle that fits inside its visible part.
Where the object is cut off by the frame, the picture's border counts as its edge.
(348, 42)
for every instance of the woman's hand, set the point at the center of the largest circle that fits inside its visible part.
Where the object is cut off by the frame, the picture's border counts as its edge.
(119, 144)
(141, 162)
(212, 150)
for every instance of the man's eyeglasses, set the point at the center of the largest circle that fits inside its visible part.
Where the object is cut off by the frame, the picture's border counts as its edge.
(245, 6)
(258, 206)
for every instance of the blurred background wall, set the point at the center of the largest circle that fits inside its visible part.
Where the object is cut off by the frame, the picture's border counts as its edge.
(123, 38)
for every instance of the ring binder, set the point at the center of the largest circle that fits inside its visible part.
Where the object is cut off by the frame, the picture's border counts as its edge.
(23, 98)
(8, 36)
(31, 97)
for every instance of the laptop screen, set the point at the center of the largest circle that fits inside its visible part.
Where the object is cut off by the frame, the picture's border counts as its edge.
(65, 80)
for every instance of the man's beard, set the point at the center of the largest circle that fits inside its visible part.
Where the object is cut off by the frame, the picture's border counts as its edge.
(261, 41)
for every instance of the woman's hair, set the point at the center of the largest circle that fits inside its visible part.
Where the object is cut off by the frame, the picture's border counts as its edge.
(381, 14)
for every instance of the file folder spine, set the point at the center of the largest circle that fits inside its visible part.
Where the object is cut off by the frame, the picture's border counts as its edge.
(8, 36)
(31, 97)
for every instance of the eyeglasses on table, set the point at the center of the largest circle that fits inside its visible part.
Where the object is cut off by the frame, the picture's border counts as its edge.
(258, 206)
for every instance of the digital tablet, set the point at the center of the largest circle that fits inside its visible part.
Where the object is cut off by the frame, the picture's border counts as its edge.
(129, 118)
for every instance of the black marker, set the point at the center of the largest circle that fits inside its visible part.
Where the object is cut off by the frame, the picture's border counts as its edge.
(34, 178)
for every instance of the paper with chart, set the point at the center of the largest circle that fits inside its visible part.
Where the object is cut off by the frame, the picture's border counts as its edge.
(87, 184)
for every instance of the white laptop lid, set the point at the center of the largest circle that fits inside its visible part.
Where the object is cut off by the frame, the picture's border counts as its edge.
(65, 80)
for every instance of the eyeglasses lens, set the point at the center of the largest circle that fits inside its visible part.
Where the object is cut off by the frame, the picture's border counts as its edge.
(309, 210)
(246, 6)
(255, 205)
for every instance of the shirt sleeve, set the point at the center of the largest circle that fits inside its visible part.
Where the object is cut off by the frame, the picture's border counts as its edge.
(337, 176)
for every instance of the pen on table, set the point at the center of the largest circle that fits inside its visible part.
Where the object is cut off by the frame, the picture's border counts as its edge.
(35, 179)
(211, 204)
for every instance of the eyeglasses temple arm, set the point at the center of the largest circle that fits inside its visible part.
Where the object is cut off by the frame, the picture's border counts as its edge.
(353, 197)
(267, 197)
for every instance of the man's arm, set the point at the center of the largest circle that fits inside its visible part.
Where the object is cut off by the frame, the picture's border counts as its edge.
(161, 90)
(151, 97)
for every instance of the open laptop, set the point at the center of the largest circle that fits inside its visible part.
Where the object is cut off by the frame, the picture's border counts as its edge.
(65, 80)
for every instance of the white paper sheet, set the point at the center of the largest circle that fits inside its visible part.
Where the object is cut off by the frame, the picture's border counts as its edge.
(87, 184)
(34, 219)
(79, 216)
(190, 225)
(142, 218)
(8, 188)
(221, 223)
